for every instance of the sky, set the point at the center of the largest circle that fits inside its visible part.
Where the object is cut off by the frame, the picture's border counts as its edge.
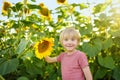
(51, 4)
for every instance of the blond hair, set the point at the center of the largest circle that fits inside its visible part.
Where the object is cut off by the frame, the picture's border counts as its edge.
(69, 32)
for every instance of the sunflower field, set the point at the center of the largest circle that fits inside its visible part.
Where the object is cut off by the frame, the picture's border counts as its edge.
(31, 32)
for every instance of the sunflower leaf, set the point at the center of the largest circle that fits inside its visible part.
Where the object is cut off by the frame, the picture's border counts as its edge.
(22, 45)
(8, 65)
(33, 0)
(107, 62)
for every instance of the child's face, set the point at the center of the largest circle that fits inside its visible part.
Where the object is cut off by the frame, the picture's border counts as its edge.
(70, 44)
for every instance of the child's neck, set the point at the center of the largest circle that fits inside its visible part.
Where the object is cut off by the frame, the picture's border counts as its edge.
(71, 52)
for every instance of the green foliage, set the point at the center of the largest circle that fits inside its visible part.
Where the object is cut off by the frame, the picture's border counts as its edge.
(22, 78)
(99, 8)
(83, 6)
(1, 78)
(22, 45)
(91, 50)
(7, 66)
(100, 73)
(100, 40)
(107, 62)
(116, 73)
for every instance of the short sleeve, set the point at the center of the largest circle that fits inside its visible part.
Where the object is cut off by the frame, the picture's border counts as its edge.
(59, 57)
(83, 62)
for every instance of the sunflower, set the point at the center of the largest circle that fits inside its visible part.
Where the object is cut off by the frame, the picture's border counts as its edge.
(43, 47)
(5, 7)
(61, 1)
(44, 11)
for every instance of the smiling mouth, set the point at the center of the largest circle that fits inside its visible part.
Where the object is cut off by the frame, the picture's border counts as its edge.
(69, 46)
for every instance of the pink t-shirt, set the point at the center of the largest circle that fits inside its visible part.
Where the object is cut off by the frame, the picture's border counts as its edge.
(71, 65)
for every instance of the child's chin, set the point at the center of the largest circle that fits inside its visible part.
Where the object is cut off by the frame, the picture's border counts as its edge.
(70, 50)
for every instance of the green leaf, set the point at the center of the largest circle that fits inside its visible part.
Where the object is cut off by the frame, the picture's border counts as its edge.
(33, 0)
(100, 73)
(107, 43)
(86, 30)
(28, 54)
(8, 66)
(115, 33)
(99, 8)
(83, 6)
(27, 23)
(23, 78)
(34, 67)
(31, 6)
(98, 44)
(22, 45)
(2, 60)
(116, 73)
(18, 6)
(103, 16)
(74, 4)
(90, 50)
(107, 62)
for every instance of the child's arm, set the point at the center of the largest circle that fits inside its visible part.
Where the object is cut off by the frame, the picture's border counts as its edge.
(51, 59)
(87, 73)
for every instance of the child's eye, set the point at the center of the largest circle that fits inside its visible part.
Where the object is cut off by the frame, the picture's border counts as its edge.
(66, 39)
(72, 39)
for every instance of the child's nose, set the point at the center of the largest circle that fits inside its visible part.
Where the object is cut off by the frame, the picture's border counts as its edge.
(69, 41)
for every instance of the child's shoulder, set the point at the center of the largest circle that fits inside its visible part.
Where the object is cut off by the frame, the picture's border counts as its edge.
(80, 53)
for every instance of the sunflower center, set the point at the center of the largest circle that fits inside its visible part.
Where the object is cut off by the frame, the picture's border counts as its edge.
(6, 6)
(44, 12)
(42, 47)
(61, 1)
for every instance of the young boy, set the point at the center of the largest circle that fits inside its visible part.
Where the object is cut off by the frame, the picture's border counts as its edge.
(74, 63)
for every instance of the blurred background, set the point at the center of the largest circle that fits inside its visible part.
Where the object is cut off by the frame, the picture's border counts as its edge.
(24, 23)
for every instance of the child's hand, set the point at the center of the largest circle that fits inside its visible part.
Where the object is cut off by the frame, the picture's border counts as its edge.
(50, 59)
(47, 58)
